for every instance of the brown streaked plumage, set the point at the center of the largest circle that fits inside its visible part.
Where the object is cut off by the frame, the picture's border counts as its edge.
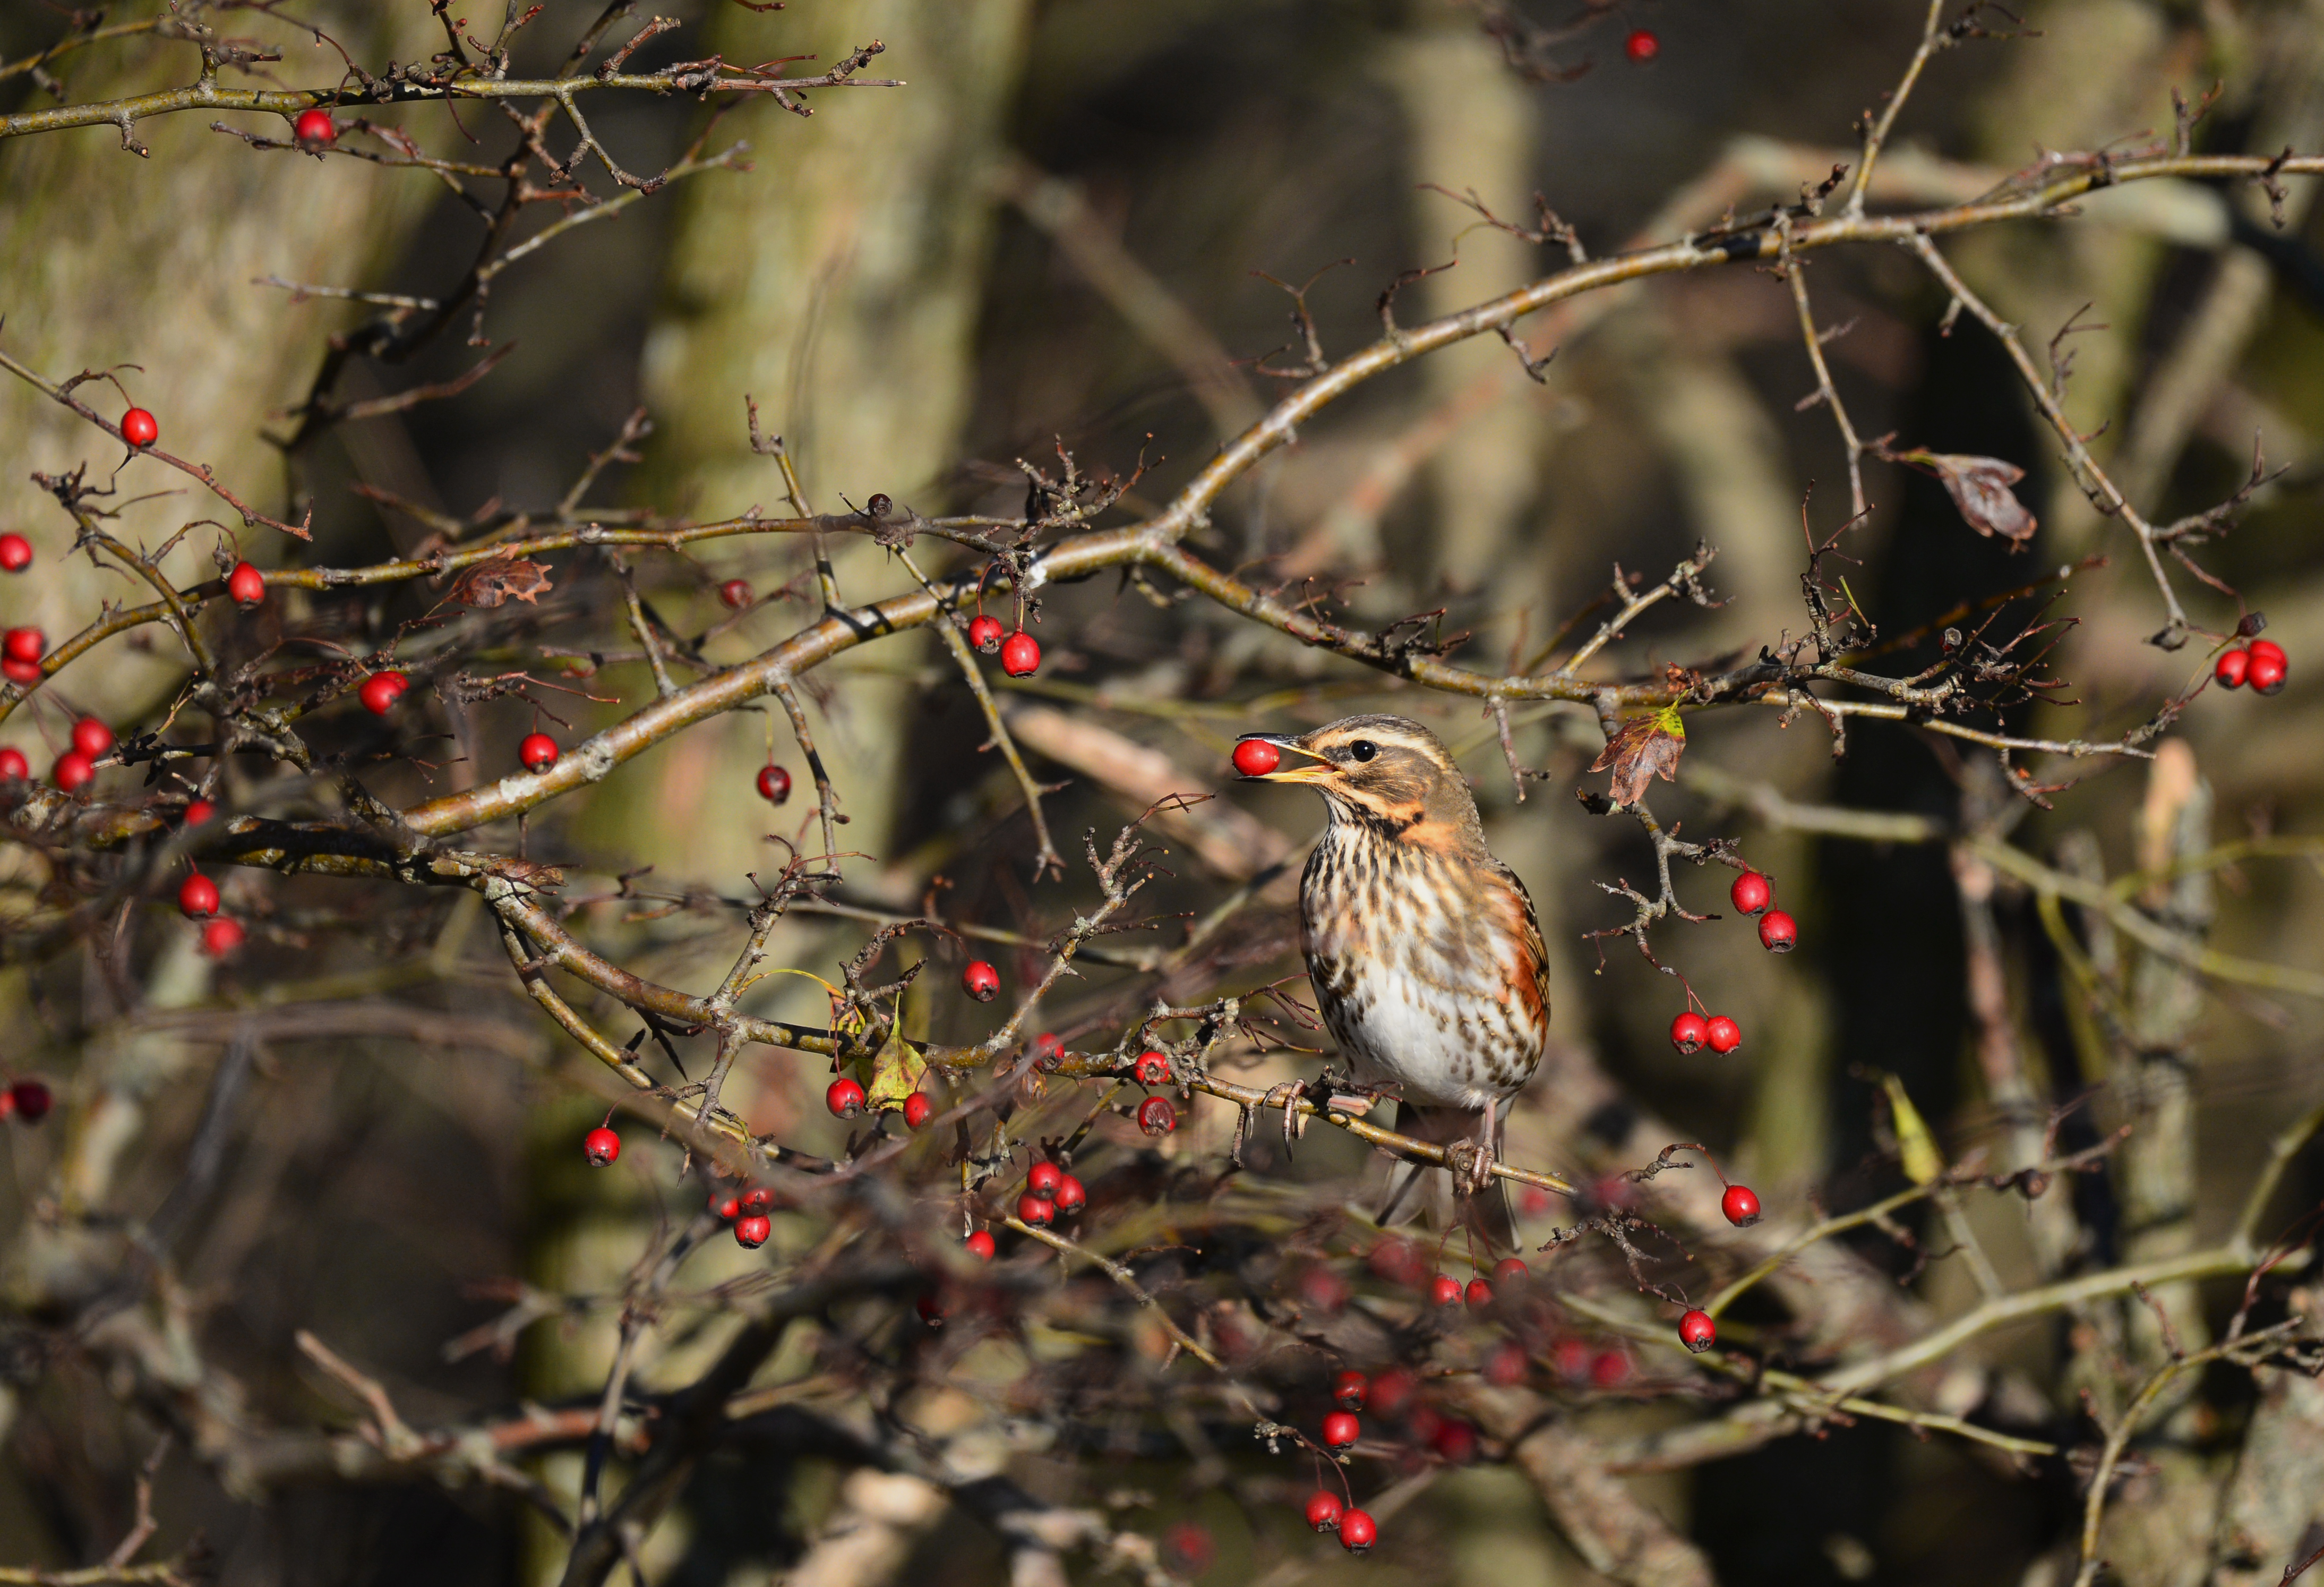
(1426, 959)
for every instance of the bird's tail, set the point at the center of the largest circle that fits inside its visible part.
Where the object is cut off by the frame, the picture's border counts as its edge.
(1427, 1193)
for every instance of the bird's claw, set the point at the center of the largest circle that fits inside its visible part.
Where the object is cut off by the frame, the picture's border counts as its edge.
(1287, 1096)
(1471, 1165)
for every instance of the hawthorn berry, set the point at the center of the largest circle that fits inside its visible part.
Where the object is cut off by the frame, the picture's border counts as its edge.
(1153, 1069)
(1697, 1332)
(1642, 46)
(1741, 1208)
(538, 752)
(1342, 1429)
(1390, 1392)
(735, 593)
(23, 644)
(14, 767)
(1689, 1031)
(930, 1306)
(725, 1205)
(1609, 1368)
(315, 125)
(1506, 1366)
(758, 1199)
(1423, 1426)
(1750, 894)
(981, 1245)
(984, 632)
(1456, 1442)
(1396, 1260)
(917, 1109)
(1323, 1290)
(222, 937)
(16, 671)
(1509, 1270)
(34, 1099)
(774, 784)
(381, 690)
(73, 771)
(1020, 655)
(1721, 1035)
(1479, 1294)
(1255, 757)
(844, 1097)
(139, 428)
(751, 1232)
(1072, 1196)
(199, 811)
(1348, 1389)
(197, 897)
(1358, 1532)
(1444, 1290)
(1156, 1116)
(1043, 1179)
(2269, 666)
(1037, 1210)
(981, 981)
(1048, 1049)
(2230, 668)
(245, 585)
(15, 553)
(1569, 1358)
(91, 737)
(600, 1146)
(1324, 1511)
(1778, 932)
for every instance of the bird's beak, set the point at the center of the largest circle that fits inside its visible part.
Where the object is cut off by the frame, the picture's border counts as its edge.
(1311, 768)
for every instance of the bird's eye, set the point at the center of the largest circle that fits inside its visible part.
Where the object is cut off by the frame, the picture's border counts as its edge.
(1363, 749)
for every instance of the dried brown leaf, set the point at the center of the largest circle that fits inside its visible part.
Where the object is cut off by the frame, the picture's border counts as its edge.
(1979, 487)
(1642, 748)
(504, 578)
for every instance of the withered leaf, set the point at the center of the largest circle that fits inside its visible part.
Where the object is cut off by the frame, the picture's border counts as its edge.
(1642, 748)
(1979, 487)
(504, 578)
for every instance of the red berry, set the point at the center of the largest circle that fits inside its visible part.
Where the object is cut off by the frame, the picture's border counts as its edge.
(1042, 1179)
(1456, 1442)
(381, 690)
(14, 767)
(1020, 654)
(758, 1200)
(1741, 1208)
(1479, 1293)
(750, 1232)
(1750, 894)
(1391, 1391)
(725, 1206)
(139, 428)
(984, 633)
(15, 553)
(774, 784)
(600, 1146)
(16, 671)
(1048, 1049)
(1689, 1031)
(1072, 1195)
(1569, 1359)
(91, 737)
(981, 1245)
(73, 771)
(1721, 1035)
(222, 937)
(538, 752)
(1342, 1429)
(1609, 1368)
(1324, 1511)
(1396, 1261)
(1445, 1289)
(930, 1306)
(1697, 1332)
(32, 1099)
(1037, 1211)
(1153, 1069)
(199, 811)
(981, 981)
(1255, 757)
(1509, 1270)
(918, 1110)
(1778, 932)
(1348, 1389)
(844, 1097)
(2230, 668)
(1323, 1290)
(1358, 1532)
(735, 593)
(1506, 1367)
(315, 125)
(2268, 668)
(1156, 1116)
(1642, 46)
(245, 585)
(197, 897)
(25, 644)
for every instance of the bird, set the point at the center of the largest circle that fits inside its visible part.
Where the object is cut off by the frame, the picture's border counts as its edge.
(1423, 947)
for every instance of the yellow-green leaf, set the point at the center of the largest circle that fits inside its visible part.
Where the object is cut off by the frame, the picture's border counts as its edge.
(1924, 1163)
(896, 1072)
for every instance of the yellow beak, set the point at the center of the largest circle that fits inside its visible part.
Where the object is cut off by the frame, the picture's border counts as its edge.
(1314, 769)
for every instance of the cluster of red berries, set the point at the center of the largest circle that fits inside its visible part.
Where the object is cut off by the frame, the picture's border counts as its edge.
(29, 1099)
(844, 1097)
(2263, 665)
(1691, 1032)
(747, 1214)
(1753, 894)
(381, 690)
(1020, 652)
(198, 899)
(1049, 1193)
(1325, 1510)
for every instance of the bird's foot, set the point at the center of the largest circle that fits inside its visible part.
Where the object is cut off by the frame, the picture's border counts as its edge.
(1471, 1165)
(1287, 1096)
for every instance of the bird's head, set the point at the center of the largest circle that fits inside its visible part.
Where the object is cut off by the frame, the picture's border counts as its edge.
(1387, 772)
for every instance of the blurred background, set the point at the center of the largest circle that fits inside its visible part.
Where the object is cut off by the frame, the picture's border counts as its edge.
(1059, 234)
